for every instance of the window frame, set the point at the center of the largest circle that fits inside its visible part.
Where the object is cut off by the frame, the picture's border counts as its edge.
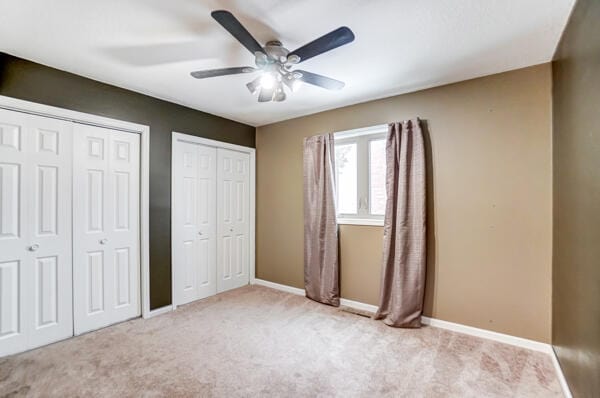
(362, 138)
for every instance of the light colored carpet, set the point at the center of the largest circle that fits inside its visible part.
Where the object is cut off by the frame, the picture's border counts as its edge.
(256, 341)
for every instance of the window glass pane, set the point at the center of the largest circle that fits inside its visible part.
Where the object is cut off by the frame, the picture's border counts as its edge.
(346, 178)
(377, 177)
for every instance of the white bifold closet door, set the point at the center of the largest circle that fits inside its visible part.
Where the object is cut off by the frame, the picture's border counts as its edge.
(211, 206)
(194, 219)
(233, 197)
(35, 231)
(106, 260)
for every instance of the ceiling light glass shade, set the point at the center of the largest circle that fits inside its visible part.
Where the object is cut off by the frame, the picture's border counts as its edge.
(293, 59)
(261, 59)
(254, 85)
(292, 83)
(279, 94)
(296, 85)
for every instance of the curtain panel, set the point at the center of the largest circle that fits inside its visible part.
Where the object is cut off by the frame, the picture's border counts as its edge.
(404, 235)
(321, 259)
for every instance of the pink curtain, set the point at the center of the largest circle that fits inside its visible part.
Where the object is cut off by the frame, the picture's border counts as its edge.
(404, 239)
(321, 263)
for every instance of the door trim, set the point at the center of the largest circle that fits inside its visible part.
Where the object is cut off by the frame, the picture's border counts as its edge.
(33, 108)
(251, 237)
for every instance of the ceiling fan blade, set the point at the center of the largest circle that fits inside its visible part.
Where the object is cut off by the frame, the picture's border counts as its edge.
(237, 30)
(203, 74)
(325, 43)
(320, 80)
(266, 94)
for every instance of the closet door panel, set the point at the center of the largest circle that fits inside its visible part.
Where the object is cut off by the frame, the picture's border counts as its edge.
(90, 269)
(13, 236)
(186, 285)
(106, 227)
(123, 224)
(233, 223)
(35, 231)
(194, 229)
(206, 235)
(50, 209)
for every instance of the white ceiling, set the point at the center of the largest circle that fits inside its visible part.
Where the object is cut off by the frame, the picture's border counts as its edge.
(150, 46)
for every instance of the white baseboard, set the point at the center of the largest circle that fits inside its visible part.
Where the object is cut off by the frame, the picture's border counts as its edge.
(561, 376)
(158, 311)
(277, 286)
(456, 327)
(357, 305)
(488, 334)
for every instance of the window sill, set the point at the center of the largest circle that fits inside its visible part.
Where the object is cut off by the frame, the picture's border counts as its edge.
(360, 221)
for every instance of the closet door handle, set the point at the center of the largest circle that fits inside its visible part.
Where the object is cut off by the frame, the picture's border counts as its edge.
(230, 229)
(33, 247)
(103, 241)
(200, 233)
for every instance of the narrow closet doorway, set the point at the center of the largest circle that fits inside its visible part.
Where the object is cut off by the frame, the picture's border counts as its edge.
(212, 217)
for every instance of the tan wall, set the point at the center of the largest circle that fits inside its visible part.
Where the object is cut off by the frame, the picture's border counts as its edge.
(489, 257)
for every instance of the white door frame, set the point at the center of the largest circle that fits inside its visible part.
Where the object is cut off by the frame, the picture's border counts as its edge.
(34, 108)
(218, 144)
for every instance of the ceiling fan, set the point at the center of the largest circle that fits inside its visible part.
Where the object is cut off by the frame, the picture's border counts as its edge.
(275, 62)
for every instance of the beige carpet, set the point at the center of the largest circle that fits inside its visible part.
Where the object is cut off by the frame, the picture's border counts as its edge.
(255, 341)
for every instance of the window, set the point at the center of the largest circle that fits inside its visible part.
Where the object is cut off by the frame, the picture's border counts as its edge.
(377, 194)
(360, 167)
(346, 172)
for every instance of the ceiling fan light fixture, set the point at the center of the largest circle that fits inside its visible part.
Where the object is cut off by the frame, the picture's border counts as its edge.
(292, 82)
(293, 59)
(275, 62)
(261, 60)
(267, 81)
(254, 85)
(296, 84)
(279, 96)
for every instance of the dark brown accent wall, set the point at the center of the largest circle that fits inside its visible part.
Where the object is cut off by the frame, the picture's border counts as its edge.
(576, 253)
(38, 83)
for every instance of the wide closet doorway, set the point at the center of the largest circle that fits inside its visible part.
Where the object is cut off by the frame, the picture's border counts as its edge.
(212, 217)
(69, 228)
